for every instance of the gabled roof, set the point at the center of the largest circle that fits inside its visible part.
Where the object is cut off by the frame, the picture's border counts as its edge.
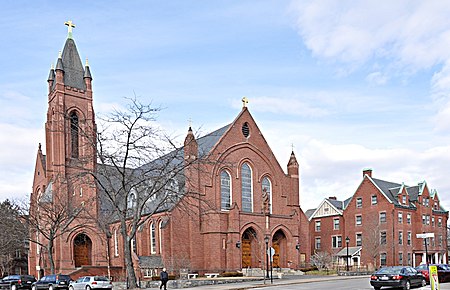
(352, 251)
(336, 206)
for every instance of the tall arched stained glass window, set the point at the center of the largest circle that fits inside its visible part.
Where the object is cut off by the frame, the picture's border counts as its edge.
(225, 190)
(74, 131)
(267, 189)
(152, 238)
(246, 180)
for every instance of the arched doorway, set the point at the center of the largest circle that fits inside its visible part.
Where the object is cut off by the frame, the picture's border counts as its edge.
(250, 249)
(279, 243)
(82, 250)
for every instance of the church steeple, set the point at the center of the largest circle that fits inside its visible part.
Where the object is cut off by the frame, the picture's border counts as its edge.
(70, 116)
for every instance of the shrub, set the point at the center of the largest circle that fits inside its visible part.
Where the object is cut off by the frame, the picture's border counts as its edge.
(232, 274)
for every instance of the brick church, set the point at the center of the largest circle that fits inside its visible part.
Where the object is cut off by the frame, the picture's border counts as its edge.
(254, 200)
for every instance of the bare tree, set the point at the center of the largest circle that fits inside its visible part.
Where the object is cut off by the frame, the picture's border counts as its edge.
(374, 238)
(322, 260)
(50, 217)
(13, 234)
(139, 172)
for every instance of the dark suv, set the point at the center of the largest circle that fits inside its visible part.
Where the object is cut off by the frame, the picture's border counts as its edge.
(52, 282)
(15, 282)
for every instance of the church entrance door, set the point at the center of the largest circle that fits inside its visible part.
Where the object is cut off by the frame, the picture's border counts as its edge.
(279, 244)
(82, 250)
(250, 249)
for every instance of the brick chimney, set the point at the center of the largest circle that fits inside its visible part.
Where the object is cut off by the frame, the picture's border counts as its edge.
(367, 171)
(332, 198)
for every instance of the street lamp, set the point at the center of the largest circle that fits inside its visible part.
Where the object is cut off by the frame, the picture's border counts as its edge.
(347, 240)
(266, 239)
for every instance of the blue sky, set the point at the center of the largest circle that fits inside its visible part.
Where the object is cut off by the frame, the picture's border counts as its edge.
(351, 84)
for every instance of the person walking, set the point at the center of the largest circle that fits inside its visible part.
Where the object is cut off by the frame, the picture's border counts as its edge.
(164, 278)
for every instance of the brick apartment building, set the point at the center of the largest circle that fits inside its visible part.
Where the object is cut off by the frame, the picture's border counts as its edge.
(381, 221)
(255, 203)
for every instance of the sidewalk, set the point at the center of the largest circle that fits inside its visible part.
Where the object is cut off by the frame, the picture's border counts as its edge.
(276, 282)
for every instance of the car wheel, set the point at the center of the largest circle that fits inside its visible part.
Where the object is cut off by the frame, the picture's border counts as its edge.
(70, 287)
(13, 287)
(376, 288)
(407, 286)
(88, 287)
(33, 287)
(424, 283)
(50, 287)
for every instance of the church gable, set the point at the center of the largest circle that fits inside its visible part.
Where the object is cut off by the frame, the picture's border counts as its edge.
(244, 132)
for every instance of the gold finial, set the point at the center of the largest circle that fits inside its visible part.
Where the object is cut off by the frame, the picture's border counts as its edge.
(59, 54)
(87, 64)
(190, 122)
(244, 102)
(52, 66)
(292, 146)
(70, 26)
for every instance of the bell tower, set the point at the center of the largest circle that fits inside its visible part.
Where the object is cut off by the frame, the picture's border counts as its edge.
(70, 127)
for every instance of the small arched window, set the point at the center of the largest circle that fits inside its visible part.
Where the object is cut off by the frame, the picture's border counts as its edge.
(152, 238)
(74, 133)
(247, 194)
(225, 190)
(131, 200)
(267, 191)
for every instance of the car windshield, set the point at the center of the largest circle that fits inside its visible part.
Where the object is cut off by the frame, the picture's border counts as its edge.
(389, 270)
(11, 277)
(100, 278)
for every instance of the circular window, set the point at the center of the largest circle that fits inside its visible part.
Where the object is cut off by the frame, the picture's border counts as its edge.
(245, 130)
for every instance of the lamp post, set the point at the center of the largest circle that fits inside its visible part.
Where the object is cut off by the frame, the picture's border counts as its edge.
(347, 240)
(266, 239)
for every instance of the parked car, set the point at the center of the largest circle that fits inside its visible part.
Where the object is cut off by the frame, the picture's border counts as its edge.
(52, 282)
(14, 282)
(397, 276)
(443, 272)
(91, 282)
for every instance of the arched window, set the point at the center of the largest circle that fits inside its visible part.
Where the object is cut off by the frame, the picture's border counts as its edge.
(160, 236)
(152, 238)
(131, 200)
(116, 244)
(246, 180)
(267, 191)
(225, 190)
(74, 132)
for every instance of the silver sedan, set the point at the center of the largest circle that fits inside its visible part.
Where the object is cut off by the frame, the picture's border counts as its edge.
(91, 282)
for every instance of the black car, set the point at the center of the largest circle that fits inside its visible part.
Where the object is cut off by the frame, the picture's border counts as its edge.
(52, 282)
(397, 276)
(14, 282)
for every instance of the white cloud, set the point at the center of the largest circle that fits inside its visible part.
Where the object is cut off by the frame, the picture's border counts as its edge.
(280, 105)
(18, 148)
(411, 33)
(377, 78)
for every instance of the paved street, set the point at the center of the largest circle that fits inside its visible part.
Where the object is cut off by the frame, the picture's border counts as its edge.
(306, 283)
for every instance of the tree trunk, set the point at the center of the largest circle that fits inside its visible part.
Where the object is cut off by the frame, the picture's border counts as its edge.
(131, 276)
(50, 256)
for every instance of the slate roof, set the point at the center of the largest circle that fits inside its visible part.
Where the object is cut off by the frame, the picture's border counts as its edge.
(173, 158)
(351, 251)
(336, 203)
(71, 63)
(310, 212)
(150, 262)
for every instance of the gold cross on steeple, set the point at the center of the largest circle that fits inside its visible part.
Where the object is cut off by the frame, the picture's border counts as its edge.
(70, 26)
(244, 102)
